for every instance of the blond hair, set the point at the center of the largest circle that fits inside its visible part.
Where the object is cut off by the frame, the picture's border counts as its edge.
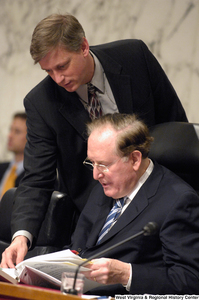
(53, 31)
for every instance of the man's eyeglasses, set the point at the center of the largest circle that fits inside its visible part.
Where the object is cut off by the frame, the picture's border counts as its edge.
(100, 167)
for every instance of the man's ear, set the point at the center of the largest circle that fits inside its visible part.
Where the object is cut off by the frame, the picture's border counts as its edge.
(136, 159)
(85, 47)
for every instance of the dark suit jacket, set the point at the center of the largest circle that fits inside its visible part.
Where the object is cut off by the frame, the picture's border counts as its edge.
(164, 263)
(56, 128)
(3, 168)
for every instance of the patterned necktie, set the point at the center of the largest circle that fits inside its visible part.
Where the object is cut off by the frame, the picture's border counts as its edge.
(112, 217)
(94, 106)
(10, 181)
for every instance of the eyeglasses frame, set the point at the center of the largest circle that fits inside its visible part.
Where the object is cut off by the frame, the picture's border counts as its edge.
(87, 164)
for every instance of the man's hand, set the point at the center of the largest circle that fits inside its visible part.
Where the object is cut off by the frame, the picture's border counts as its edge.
(108, 271)
(15, 253)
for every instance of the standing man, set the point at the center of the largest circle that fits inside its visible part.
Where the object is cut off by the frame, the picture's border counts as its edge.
(127, 78)
(12, 172)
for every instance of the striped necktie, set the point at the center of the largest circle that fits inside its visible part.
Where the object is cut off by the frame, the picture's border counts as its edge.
(112, 217)
(10, 180)
(94, 106)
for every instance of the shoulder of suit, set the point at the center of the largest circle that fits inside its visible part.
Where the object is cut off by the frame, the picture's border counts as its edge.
(119, 43)
(3, 168)
(45, 85)
(46, 90)
(4, 164)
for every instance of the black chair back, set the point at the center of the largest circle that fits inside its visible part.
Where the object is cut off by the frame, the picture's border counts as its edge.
(176, 146)
(55, 230)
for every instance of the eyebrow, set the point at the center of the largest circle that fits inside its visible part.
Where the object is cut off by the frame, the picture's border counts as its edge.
(65, 62)
(97, 162)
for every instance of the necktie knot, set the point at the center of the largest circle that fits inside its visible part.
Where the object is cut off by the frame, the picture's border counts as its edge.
(91, 88)
(118, 208)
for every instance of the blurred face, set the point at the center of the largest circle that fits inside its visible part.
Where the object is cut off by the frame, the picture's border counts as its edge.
(121, 177)
(69, 69)
(17, 136)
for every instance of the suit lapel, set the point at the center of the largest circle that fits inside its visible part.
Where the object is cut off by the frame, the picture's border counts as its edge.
(132, 211)
(138, 204)
(121, 88)
(103, 211)
(73, 111)
(120, 84)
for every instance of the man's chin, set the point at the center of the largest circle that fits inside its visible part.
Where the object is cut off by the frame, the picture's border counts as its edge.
(108, 193)
(70, 87)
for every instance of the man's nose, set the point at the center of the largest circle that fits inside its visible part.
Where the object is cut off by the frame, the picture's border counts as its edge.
(10, 135)
(96, 173)
(58, 77)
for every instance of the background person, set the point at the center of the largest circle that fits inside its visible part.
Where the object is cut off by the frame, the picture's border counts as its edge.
(15, 144)
(128, 79)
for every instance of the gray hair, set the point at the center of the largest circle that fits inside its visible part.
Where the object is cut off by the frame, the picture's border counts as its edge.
(133, 134)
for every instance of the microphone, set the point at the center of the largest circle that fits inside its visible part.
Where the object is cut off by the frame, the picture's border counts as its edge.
(149, 229)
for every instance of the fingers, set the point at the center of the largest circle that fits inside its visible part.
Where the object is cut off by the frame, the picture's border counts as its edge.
(109, 271)
(7, 261)
(98, 270)
(20, 255)
(15, 253)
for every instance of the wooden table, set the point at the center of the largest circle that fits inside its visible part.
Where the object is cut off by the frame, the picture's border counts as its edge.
(20, 291)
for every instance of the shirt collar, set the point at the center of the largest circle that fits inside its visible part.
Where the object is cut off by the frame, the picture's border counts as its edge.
(142, 180)
(97, 80)
(98, 77)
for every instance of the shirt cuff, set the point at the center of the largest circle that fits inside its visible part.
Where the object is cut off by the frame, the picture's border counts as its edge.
(128, 286)
(25, 233)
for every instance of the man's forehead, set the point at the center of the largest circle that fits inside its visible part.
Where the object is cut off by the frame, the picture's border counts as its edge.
(55, 58)
(104, 131)
(102, 137)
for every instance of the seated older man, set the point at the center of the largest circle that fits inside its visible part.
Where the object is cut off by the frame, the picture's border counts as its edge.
(138, 190)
